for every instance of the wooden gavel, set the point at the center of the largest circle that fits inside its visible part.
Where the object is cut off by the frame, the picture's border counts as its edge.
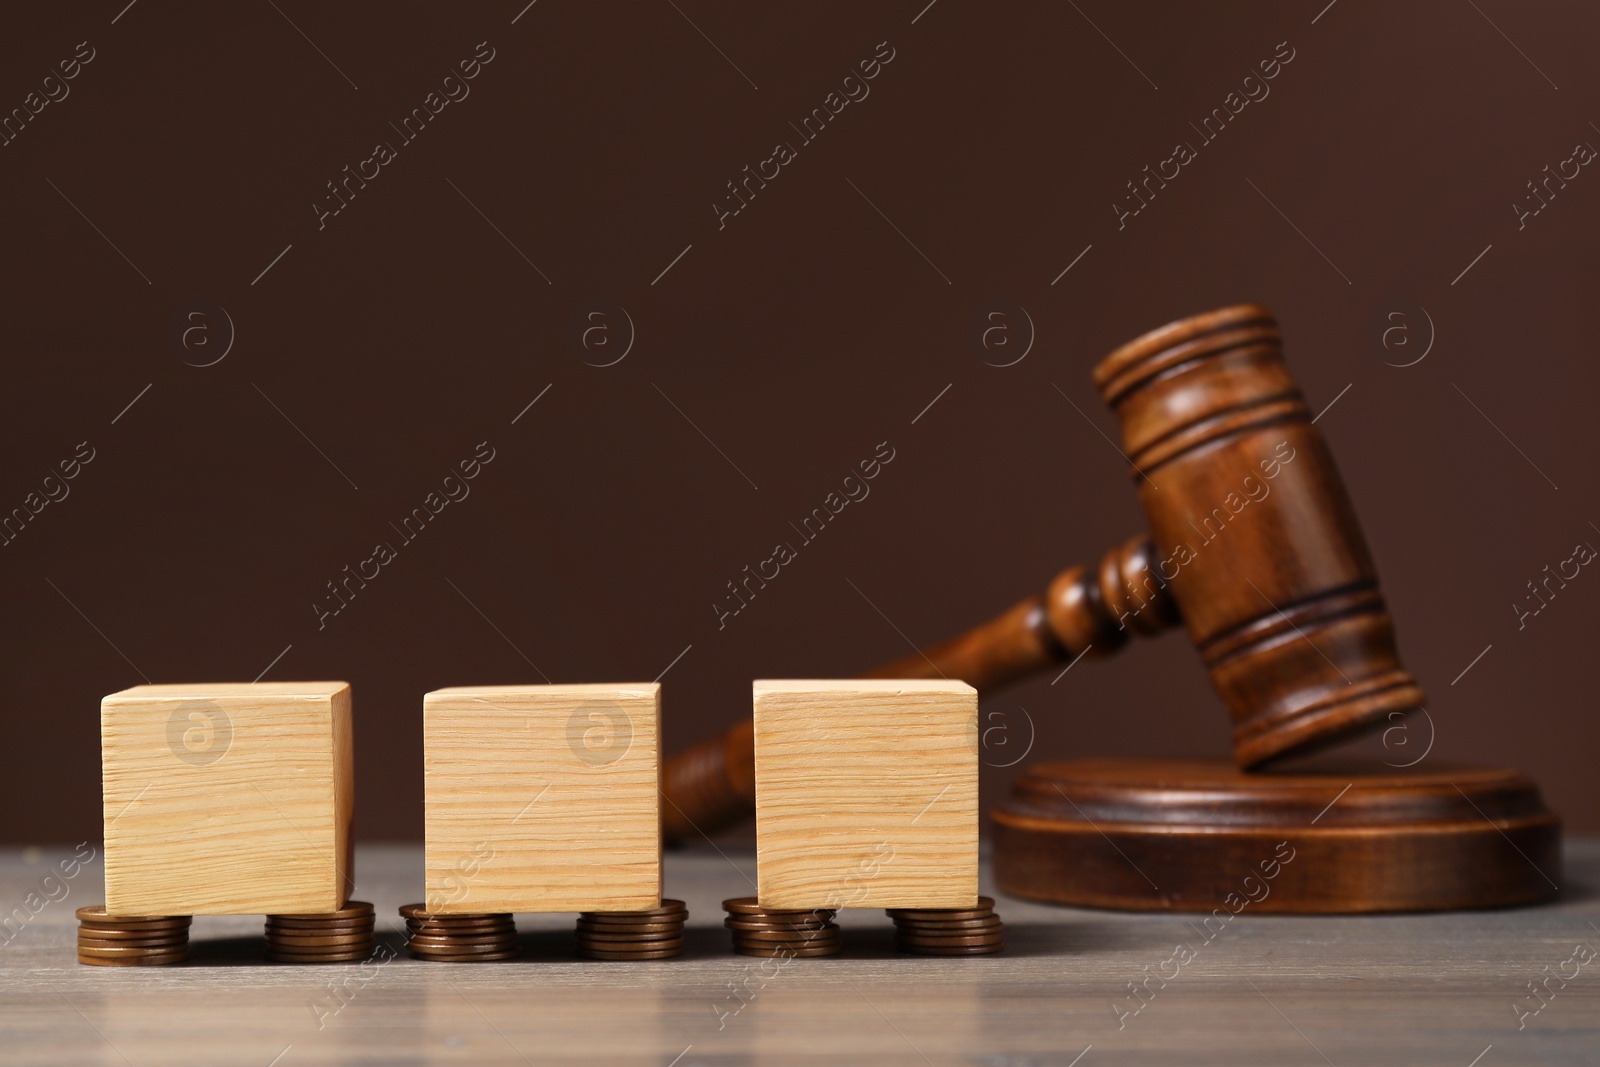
(1253, 546)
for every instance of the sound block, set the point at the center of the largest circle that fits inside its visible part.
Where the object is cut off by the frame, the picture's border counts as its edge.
(1180, 835)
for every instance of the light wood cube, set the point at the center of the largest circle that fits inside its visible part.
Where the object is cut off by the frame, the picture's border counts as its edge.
(542, 798)
(866, 793)
(227, 798)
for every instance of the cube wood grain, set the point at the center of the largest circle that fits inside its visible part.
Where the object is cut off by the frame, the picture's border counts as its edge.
(227, 798)
(542, 798)
(866, 793)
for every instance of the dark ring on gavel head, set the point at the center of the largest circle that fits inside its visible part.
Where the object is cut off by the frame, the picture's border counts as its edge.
(1254, 534)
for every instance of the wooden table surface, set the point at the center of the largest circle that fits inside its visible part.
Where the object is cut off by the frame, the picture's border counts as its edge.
(1402, 989)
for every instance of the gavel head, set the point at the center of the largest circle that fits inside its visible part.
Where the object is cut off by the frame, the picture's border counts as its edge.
(1253, 534)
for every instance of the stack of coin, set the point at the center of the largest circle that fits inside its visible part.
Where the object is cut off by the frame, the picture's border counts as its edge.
(460, 938)
(130, 940)
(341, 936)
(633, 935)
(759, 931)
(974, 931)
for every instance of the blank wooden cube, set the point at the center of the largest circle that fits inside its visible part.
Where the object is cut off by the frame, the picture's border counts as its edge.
(542, 798)
(227, 798)
(866, 793)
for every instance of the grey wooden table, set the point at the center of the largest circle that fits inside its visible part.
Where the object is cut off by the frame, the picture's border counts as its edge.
(1449, 989)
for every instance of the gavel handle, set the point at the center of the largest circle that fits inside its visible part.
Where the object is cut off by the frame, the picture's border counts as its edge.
(712, 784)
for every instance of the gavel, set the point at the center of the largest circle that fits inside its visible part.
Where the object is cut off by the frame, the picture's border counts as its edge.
(1253, 546)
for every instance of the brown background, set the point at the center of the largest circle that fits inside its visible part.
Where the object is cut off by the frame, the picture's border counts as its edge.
(797, 338)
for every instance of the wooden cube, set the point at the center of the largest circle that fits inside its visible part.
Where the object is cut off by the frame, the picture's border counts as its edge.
(542, 798)
(227, 798)
(866, 793)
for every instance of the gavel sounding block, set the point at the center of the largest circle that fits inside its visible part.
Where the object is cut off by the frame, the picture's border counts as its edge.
(1328, 838)
(542, 798)
(866, 794)
(227, 799)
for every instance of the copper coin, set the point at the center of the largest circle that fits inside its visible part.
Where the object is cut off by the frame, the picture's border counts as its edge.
(133, 942)
(460, 947)
(323, 952)
(290, 936)
(324, 931)
(751, 906)
(744, 922)
(948, 931)
(466, 922)
(274, 932)
(296, 943)
(780, 951)
(420, 911)
(948, 924)
(133, 961)
(464, 936)
(354, 922)
(985, 907)
(632, 946)
(666, 952)
(181, 923)
(317, 957)
(416, 914)
(153, 950)
(787, 937)
(618, 930)
(938, 924)
(620, 940)
(945, 940)
(462, 950)
(456, 948)
(654, 915)
(359, 921)
(123, 949)
(618, 950)
(826, 948)
(487, 957)
(132, 931)
(961, 943)
(434, 927)
(970, 950)
(97, 913)
(633, 923)
(667, 907)
(356, 909)
(952, 923)
(105, 934)
(469, 934)
(456, 928)
(627, 918)
(630, 931)
(436, 941)
(437, 930)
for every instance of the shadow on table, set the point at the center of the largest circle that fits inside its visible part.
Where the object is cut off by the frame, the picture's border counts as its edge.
(1024, 939)
(251, 951)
